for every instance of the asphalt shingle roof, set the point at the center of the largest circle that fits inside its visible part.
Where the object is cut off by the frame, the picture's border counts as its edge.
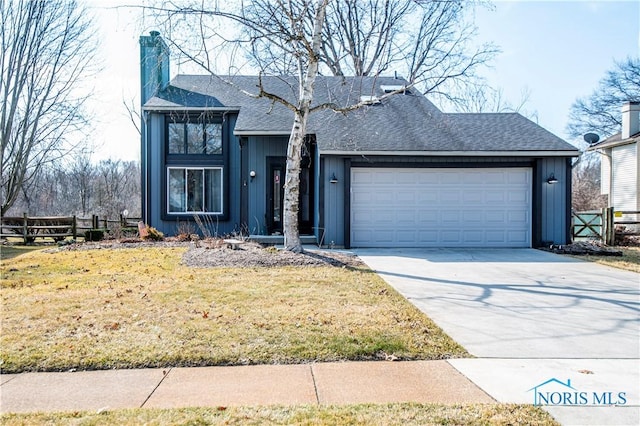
(403, 122)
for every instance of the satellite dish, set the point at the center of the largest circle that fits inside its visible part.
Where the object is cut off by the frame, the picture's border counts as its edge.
(591, 138)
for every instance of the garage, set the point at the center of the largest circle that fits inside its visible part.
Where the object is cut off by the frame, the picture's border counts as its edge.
(440, 207)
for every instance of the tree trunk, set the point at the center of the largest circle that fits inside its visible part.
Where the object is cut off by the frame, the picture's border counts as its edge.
(294, 150)
(292, 185)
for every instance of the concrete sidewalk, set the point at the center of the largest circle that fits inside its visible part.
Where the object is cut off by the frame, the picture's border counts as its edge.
(321, 383)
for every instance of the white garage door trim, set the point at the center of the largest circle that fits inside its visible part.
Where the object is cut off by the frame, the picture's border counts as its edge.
(441, 207)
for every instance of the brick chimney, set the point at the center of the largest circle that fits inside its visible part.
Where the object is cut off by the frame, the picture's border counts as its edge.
(630, 119)
(154, 65)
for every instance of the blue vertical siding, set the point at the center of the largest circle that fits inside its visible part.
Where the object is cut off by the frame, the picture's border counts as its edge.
(555, 201)
(157, 169)
(259, 148)
(334, 198)
(551, 203)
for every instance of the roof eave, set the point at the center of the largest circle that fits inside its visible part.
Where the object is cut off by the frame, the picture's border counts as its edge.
(262, 132)
(564, 153)
(613, 144)
(183, 108)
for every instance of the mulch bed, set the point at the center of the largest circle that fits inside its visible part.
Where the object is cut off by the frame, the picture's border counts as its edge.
(211, 253)
(251, 254)
(583, 248)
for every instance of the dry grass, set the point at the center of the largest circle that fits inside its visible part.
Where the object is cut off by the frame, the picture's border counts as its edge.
(130, 308)
(366, 414)
(630, 260)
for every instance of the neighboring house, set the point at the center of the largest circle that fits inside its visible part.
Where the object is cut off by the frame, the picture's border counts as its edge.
(620, 168)
(395, 173)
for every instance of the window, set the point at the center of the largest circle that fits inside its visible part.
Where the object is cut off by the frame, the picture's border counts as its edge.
(195, 190)
(194, 138)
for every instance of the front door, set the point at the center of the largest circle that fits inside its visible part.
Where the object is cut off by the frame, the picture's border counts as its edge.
(276, 167)
(275, 193)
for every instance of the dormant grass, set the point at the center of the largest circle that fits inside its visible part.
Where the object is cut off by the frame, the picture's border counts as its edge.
(135, 308)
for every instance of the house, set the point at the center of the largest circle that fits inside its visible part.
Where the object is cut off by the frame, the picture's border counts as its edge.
(620, 168)
(397, 172)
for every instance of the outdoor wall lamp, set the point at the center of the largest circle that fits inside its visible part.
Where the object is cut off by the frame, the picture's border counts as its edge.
(252, 175)
(552, 179)
(334, 179)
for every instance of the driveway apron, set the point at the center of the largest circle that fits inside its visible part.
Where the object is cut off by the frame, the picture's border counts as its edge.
(530, 316)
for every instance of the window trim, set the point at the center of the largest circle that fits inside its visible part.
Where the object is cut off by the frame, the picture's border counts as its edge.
(171, 214)
(201, 120)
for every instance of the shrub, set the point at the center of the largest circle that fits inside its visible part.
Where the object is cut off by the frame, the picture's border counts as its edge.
(94, 235)
(153, 234)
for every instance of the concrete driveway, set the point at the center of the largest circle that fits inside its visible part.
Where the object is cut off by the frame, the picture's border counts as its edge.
(530, 316)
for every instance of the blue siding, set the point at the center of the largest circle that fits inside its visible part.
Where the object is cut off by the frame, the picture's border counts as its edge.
(157, 170)
(555, 205)
(318, 221)
(259, 148)
(334, 198)
(551, 204)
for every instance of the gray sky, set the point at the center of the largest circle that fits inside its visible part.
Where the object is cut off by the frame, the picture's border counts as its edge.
(557, 51)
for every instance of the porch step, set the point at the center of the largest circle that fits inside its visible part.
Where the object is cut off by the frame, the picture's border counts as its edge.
(279, 239)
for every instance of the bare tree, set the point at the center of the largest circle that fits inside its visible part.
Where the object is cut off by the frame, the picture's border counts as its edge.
(484, 98)
(47, 50)
(426, 40)
(117, 187)
(81, 177)
(600, 112)
(585, 190)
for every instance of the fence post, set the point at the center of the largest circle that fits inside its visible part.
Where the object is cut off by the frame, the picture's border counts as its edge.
(25, 227)
(74, 228)
(611, 230)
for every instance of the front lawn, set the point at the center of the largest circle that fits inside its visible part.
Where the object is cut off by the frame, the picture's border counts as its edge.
(630, 259)
(140, 307)
(364, 414)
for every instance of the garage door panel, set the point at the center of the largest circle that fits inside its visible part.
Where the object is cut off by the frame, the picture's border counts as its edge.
(450, 237)
(473, 237)
(522, 177)
(405, 197)
(430, 237)
(441, 207)
(494, 196)
(428, 196)
(449, 177)
(473, 216)
(494, 216)
(496, 236)
(473, 197)
(518, 236)
(406, 237)
(494, 177)
(426, 217)
(451, 196)
(519, 197)
(516, 218)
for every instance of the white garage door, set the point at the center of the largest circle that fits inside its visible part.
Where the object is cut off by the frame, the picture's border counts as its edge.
(440, 207)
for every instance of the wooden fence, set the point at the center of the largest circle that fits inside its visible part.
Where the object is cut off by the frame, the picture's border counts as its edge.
(601, 224)
(58, 228)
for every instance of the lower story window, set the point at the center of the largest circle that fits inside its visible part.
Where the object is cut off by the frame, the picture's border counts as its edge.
(195, 190)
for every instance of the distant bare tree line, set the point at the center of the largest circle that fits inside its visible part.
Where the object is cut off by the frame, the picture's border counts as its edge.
(48, 52)
(83, 188)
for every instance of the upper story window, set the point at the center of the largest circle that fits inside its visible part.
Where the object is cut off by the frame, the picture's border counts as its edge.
(194, 137)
